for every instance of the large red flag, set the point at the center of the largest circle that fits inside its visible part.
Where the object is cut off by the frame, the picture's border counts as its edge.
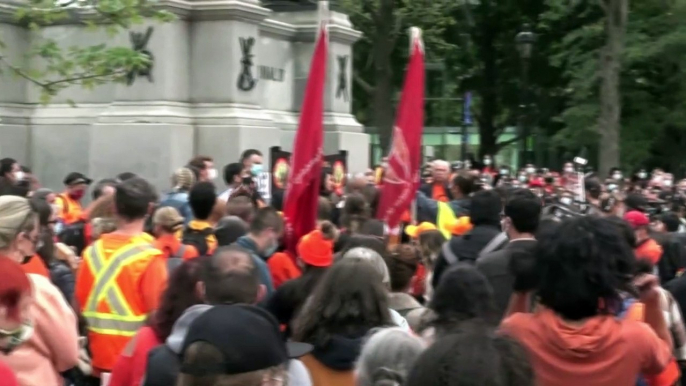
(401, 178)
(302, 191)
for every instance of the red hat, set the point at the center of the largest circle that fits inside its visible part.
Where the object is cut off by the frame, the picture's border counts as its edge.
(315, 250)
(636, 219)
(14, 284)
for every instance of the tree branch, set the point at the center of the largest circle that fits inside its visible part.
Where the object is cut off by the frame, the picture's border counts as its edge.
(500, 145)
(362, 83)
(50, 84)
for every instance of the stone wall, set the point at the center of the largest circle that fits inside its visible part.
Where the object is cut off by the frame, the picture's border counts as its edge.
(228, 75)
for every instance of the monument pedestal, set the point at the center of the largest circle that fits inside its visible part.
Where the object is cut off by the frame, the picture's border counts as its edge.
(227, 76)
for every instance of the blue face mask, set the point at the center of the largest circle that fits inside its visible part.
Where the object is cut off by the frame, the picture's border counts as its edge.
(256, 169)
(271, 250)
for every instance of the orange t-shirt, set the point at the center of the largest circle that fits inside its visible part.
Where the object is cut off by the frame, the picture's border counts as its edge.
(604, 351)
(169, 245)
(37, 266)
(650, 250)
(438, 193)
(282, 268)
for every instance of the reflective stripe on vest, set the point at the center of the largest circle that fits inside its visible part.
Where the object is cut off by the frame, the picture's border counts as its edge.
(121, 320)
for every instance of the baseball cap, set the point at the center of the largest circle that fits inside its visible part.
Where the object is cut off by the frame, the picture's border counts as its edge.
(636, 219)
(247, 336)
(415, 230)
(75, 178)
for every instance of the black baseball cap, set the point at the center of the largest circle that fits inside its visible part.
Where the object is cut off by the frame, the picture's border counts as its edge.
(75, 178)
(247, 336)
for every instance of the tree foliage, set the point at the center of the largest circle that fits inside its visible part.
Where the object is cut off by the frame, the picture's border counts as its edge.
(651, 84)
(52, 67)
(381, 54)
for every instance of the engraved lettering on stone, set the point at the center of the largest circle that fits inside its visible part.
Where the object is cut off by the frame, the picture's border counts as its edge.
(139, 42)
(246, 81)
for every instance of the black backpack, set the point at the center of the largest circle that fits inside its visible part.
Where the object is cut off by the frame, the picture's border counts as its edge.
(74, 235)
(197, 238)
(176, 259)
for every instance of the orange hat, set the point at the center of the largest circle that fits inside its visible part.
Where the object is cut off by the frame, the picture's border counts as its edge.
(416, 230)
(460, 226)
(315, 250)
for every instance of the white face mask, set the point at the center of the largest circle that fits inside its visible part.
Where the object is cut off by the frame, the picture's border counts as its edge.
(19, 175)
(642, 175)
(667, 183)
(212, 174)
(617, 176)
(569, 170)
(487, 161)
(530, 170)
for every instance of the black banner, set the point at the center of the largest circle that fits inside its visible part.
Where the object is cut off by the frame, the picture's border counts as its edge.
(280, 164)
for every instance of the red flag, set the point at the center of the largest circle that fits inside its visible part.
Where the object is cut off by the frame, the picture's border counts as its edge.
(401, 178)
(302, 191)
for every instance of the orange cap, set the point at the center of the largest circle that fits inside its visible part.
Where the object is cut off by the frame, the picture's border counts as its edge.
(416, 230)
(460, 226)
(315, 250)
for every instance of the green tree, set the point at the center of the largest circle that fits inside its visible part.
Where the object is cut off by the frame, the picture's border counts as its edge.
(651, 81)
(381, 54)
(52, 68)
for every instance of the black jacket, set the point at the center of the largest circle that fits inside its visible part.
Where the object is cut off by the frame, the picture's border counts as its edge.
(466, 248)
(496, 266)
(673, 256)
(63, 278)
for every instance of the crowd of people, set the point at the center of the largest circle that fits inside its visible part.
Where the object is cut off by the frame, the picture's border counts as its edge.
(496, 277)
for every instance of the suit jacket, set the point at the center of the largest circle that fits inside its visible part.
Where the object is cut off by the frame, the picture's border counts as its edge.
(496, 266)
(427, 189)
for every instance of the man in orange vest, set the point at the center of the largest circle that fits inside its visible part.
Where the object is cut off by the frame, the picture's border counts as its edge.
(69, 202)
(121, 277)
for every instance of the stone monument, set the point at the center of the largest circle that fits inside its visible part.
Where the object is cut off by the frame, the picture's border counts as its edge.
(228, 75)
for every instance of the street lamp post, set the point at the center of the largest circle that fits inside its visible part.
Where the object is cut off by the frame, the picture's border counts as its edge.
(525, 44)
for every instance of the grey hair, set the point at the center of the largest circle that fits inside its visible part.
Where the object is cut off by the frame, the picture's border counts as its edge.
(387, 357)
(374, 259)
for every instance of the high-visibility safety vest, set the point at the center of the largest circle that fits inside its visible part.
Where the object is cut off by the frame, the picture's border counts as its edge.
(114, 309)
(70, 210)
(444, 218)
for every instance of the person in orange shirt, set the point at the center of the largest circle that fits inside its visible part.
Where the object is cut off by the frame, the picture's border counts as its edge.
(69, 202)
(121, 277)
(438, 189)
(167, 221)
(646, 247)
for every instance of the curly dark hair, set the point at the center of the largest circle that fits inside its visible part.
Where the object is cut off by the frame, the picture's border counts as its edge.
(349, 300)
(474, 355)
(463, 294)
(179, 295)
(584, 263)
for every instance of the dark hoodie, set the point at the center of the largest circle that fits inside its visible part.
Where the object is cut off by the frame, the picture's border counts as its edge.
(340, 353)
(485, 215)
(333, 364)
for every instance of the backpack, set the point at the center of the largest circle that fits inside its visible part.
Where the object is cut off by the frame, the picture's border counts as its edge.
(176, 259)
(197, 238)
(74, 235)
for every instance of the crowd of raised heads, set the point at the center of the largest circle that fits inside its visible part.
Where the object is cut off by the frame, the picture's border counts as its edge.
(495, 277)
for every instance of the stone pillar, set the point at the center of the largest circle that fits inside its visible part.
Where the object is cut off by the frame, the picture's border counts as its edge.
(225, 81)
(342, 131)
(14, 115)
